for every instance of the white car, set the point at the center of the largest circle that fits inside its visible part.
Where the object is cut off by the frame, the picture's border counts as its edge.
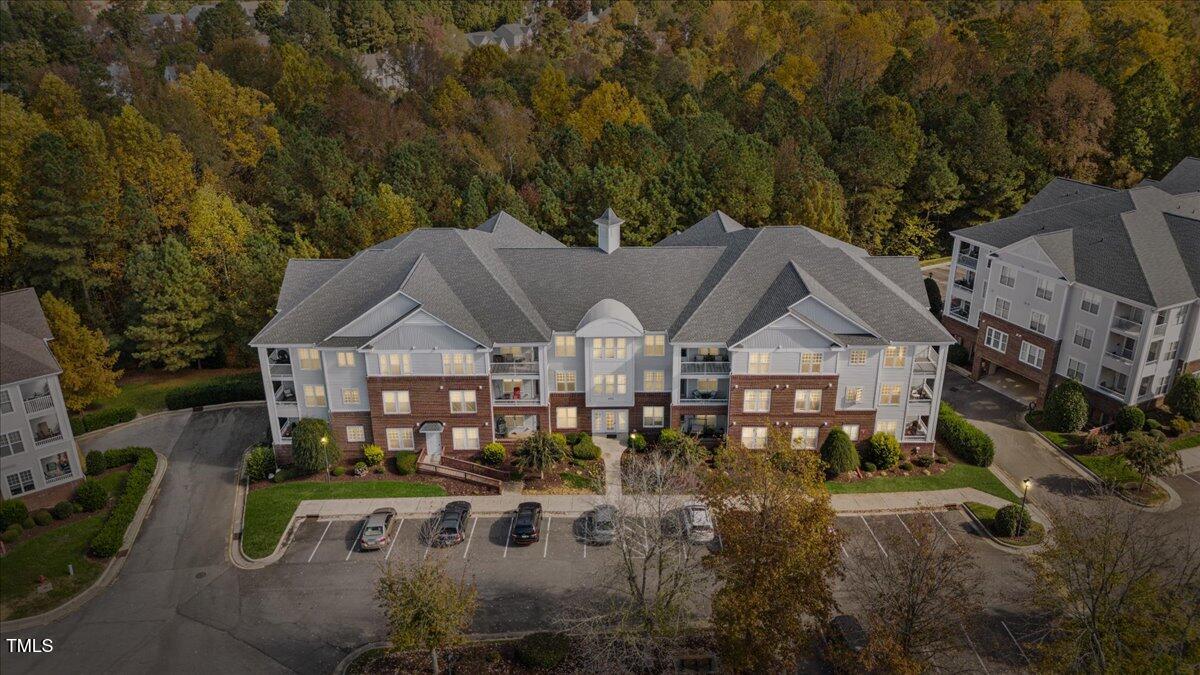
(698, 524)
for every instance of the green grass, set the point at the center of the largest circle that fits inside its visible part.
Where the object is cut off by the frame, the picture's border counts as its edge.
(1110, 468)
(579, 482)
(1185, 442)
(1063, 441)
(269, 509)
(986, 514)
(935, 261)
(958, 476)
(147, 391)
(113, 481)
(48, 554)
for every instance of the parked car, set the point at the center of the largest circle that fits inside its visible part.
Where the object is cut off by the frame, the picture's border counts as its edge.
(698, 524)
(527, 524)
(375, 530)
(600, 525)
(452, 525)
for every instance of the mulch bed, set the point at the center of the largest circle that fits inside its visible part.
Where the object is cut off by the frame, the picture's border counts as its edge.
(932, 470)
(553, 482)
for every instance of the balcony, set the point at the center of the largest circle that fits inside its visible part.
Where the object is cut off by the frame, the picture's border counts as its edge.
(515, 392)
(704, 426)
(286, 426)
(917, 430)
(279, 363)
(920, 393)
(1160, 329)
(285, 393)
(1112, 388)
(38, 403)
(1123, 354)
(965, 283)
(515, 368)
(924, 363)
(960, 310)
(704, 368)
(968, 261)
(516, 427)
(45, 431)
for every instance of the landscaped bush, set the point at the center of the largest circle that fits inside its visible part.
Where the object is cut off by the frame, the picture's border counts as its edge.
(959, 356)
(1184, 397)
(1066, 408)
(283, 475)
(63, 510)
(1129, 418)
(542, 650)
(934, 293)
(260, 463)
(905, 466)
(585, 450)
(1153, 425)
(95, 463)
(42, 517)
(91, 495)
(1011, 521)
(869, 467)
(11, 533)
(838, 453)
(247, 387)
(338, 471)
(102, 418)
(111, 536)
(122, 456)
(881, 449)
(940, 460)
(360, 468)
(1180, 425)
(637, 443)
(1094, 443)
(313, 446)
(28, 523)
(968, 442)
(924, 461)
(12, 512)
(493, 454)
(373, 454)
(574, 437)
(406, 462)
(674, 443)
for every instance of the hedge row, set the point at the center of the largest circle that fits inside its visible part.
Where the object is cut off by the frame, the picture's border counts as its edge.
(246, 387)
(102, 418)
(108, 540)
(963, 438)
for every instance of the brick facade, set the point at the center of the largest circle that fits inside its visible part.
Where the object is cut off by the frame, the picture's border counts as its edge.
(577, 400)
(962, 332)
(783, 414)
(986, 359)
(339, 421)
(640, 400)
(429, 400)
(44, 499)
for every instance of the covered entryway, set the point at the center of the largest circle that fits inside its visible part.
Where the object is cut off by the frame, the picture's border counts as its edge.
(610, 422)
(1016, 387)
(433, 440)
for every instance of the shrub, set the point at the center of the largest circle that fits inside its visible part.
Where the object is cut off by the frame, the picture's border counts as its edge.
(1066, 407)
(542, 650)
(282, 475)
(637, 443)
(869, 467)
(882, 449)
(338, 471)
(91, 495)
(940, 460)
(247, 387)
(1158, 435)
(406, 462)
(585, 450)
(11, 533)
(1011, 521)
(260, 463)
(1180, 426)
(28, 523)
(360, 468)
(1184, 397)
(111, 536)
(560, 439)
(934, 293)
(540, 452)
(101, 419)
(63, 510)
(42, 517)
(95, 463)
(493, 454)
(309, 454)
(905, 466)
(1129, 418)
(1150, 456)
(373, 454)
(1153, 425)
(576, 436)
(924, 461)
(674, 443)
(1094, 443)
(122, 456)
(12, 512)
(968, 442)
(838, 453)
(959, 356)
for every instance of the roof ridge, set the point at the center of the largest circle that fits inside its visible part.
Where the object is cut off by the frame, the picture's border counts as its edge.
(895, 288)
(754, 234)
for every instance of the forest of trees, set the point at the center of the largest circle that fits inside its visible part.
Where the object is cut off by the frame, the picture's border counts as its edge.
(164, 211)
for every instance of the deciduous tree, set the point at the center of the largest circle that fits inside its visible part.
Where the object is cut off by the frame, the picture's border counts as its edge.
(155, 164)
(609, 102)
(424, 608)
(83, 354)
(238, 115)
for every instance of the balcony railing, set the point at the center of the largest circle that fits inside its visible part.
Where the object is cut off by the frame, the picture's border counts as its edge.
(1127, 325)
(921, 393)
(965, 284)
(1120, 353)
(924, 364)
(704, 397)
(704, 367)
(281, 369)
(1160, 329)
(515, 368)
(520, 399)
(38, 403)
(967, 261)
(961, 311)
(47, 439)
(1112, 389)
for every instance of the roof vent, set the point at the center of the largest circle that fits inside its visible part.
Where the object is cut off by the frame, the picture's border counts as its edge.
(608, 231)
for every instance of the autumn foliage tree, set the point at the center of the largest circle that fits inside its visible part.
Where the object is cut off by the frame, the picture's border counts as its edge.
(424, 608)
(83, 353)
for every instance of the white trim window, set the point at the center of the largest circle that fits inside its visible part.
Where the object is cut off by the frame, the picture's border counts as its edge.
(608, 348)
(610, 384)
(889, 394)
(458, 363)
(1076, 369)
(1002, 307)
(1045, 290)
(810, 362)
(1164, 384)
(6, 405)
(805, 438)
(852, 430)
(463, 401)
(355, 434)
(754, 438)
(655, 345)
(887, 426)
(20, 482)
(564, 380)
(858, 357)
(1090, 302)
(345, 359)
(310, 359)
(465, 438)
(653, 416)
(808, 400)
(11, 444)
(1006, 276)
(396, 403)
(350, 396)
(996, 339)
(399, 439)
(395, 364)
(894, 357)
(1032, 355)
(564, 346)
(314, 396)
(756, 400)
(1172, 351)
(654, 380)
(1181, 315)
(854, 395)
(1083, 336)
(566, 417)
(760, 363)
(1037, 321)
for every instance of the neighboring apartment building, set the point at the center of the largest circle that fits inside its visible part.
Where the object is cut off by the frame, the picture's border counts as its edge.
(38, 459)
(444, 339)
(1086, 282)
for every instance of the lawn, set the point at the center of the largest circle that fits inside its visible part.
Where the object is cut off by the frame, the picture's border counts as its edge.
(1063, 441)
(986, 514)
(48, 554)
(1111, 468)
(957, 476)
(147, 391)
(1185, 442)
(270, 509)
(113, 481)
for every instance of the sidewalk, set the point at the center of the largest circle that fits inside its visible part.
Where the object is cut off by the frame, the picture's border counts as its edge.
(1190, 458)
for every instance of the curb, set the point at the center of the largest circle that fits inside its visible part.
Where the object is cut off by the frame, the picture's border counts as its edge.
(110, 573)
(164, 413)
(237, 524)
(344, 664)
(477, 638)
(995, 541)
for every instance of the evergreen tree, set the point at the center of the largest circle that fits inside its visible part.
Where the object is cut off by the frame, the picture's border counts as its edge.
(174, 322)
(1147, 121)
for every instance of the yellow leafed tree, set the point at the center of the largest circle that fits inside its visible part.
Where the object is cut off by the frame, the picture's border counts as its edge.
(154, 164)
(238, 115)
(609, 102)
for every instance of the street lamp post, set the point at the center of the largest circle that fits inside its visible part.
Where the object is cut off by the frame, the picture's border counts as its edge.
(328, 464)
(1025, 485)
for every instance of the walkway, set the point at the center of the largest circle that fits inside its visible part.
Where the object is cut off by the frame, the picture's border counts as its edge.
(610, 452)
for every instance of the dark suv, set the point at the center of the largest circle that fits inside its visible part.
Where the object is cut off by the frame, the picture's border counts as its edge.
(452, 524)
(527, 525)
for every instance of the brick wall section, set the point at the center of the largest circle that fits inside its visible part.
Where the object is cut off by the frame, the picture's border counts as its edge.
(338, 421)
(966, 334)
(44, 499)
(576, 399)
(429, 400)
(782, 414)
(1011, 359)
(1191, 367)
(543, 420)
(636, 421)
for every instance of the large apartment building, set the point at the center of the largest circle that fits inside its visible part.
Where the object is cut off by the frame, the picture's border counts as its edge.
(1089, 283)
(38, 459)
(443, 340)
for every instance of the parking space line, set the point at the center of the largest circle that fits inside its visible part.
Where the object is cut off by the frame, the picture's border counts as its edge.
(314, 551)
(474, 522)
(585, 547)
(1197, 482)
(511, 519)
(971, 643)
(395, 536)
(429, 543)
(844, 551)
(357, 539)
(546, 548)
(905, 526)
(1018, 644)
(882, 550)
(939, 522)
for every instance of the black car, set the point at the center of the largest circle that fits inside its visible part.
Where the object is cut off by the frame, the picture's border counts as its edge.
(452, 524)
(527, 525)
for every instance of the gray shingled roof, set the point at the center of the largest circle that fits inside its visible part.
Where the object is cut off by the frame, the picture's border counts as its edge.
(1138, 243)
(505, 283)
(24, 351)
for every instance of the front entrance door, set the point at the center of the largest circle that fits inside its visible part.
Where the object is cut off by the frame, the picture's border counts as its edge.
(433, 446)
(610, 421)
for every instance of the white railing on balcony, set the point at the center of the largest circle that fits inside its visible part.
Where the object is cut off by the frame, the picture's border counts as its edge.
(921, 393)
(523, 399)
(1160, 329)
(967, 261)
(704, 367)
(515, 368)
(1112, 389)
(38, 403)
(48, 439)
(961, 311)
(1120, 353)
(281, 369)
(924, 365)
(716, 397)
(55, 478)
(1128, 325)
(966, 284)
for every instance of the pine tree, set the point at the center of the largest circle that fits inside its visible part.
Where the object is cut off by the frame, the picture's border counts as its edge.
(175, 318)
